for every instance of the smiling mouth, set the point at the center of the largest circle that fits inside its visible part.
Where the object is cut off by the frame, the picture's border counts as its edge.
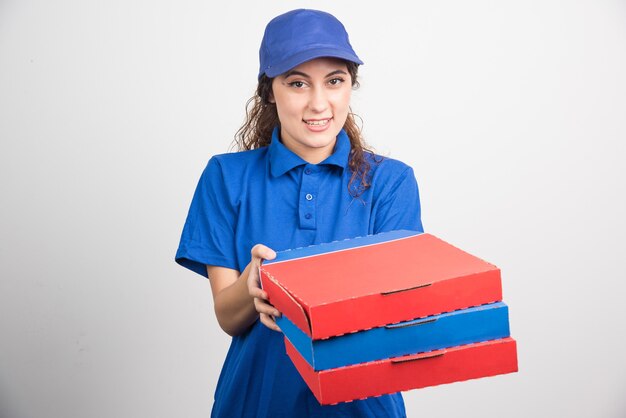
(317, 122)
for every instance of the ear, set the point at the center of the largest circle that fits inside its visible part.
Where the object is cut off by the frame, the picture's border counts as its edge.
(270, 97)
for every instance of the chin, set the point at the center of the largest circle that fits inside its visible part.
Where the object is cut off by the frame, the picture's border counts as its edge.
(320, 141)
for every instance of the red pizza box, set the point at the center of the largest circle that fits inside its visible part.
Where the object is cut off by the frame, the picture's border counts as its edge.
(415, 371)
(357, 284)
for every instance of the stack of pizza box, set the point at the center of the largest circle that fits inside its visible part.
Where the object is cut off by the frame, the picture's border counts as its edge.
(389, 312)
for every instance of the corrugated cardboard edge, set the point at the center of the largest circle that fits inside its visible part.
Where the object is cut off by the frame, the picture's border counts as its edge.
(272, 262)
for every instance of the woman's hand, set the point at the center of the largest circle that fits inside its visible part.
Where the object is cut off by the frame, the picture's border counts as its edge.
(267, 312)
(238, 298)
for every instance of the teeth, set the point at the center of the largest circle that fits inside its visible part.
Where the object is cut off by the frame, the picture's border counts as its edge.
(317, 122)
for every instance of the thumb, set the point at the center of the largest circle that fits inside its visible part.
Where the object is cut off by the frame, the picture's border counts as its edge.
(261, 252)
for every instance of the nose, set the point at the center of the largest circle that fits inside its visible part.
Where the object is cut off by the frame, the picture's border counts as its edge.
(318, 101)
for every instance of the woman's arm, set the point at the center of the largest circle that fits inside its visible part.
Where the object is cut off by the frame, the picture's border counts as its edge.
(238, 298)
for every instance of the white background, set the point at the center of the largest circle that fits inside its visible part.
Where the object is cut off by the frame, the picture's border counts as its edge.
(512, 114)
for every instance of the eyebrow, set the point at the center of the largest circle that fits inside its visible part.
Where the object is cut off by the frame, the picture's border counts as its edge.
(300, 73)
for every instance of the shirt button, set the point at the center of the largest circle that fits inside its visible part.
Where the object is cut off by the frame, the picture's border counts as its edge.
(309, 196)
(307, 171)
(308, 216)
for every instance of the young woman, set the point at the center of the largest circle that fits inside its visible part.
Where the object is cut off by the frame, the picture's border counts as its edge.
(303, 176)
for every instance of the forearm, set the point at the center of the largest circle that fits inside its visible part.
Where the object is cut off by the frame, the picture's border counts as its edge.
(234, 307)
(238, 298)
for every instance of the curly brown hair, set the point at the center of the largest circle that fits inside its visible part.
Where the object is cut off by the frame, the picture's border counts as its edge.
(262, 117)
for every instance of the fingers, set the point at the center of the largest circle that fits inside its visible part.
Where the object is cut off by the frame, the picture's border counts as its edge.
(254, 285)
(259, 252)
(255, 291)
(263, 307)
(267, 312)
(269, 322)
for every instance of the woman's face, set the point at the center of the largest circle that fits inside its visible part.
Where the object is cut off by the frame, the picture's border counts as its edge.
(312, 101)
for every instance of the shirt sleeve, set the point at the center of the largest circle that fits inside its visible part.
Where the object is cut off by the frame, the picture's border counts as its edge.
(208, 237)
(400, 207)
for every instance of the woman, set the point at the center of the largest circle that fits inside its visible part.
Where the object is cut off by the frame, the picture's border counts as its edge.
(302, 177)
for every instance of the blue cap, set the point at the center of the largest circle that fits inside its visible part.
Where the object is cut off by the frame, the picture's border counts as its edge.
(302, 35)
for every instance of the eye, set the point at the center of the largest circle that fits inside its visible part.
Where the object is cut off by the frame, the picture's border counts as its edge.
(335, 81)
(296, 84)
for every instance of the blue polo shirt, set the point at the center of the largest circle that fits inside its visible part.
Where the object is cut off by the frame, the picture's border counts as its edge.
(273, 197)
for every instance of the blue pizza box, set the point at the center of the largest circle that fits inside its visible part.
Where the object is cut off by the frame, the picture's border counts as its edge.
(464, 326)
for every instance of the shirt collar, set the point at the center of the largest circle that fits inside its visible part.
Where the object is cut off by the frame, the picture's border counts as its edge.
(282, 159)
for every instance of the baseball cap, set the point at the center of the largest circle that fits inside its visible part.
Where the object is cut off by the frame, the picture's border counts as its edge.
(302, 35)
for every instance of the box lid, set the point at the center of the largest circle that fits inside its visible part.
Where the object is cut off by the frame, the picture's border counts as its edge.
(351, 285)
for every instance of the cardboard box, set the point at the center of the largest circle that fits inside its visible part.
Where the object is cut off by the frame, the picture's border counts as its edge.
(376, 378)
(481, 323)
(362, 283)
